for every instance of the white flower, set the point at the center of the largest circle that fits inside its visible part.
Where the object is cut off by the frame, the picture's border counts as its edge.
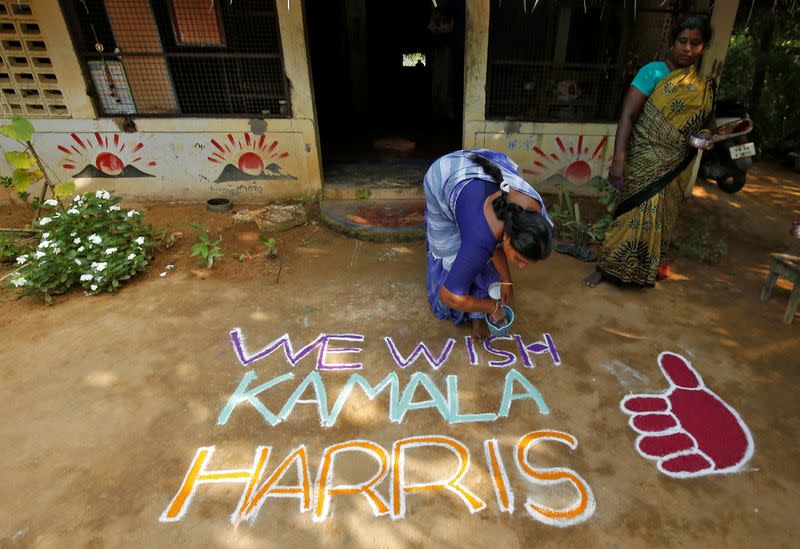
(55, 249)
(44, 244)
(56, 214)
(73, 233)
(99, 266)
(77, 198)
(78, 261)
(114, 208)
(44, 221)
(139, 240)
(98, 278)
(21, 260)
(17, 282)
(86, 277)
(50, 202)
(39, 254)
(110, 251)
(105, 195)
(76, 241)
(131, 213)
(130, 257)
(94, 239)
(73, 211)
(81, 249)
(93, 287)
(45, 235)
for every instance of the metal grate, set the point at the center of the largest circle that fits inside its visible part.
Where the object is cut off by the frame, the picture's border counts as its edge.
(182, 57)
(561, 63)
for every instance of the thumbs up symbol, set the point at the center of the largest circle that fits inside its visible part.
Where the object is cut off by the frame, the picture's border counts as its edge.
(688, 429)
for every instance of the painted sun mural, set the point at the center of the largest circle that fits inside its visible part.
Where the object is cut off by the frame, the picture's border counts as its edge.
(577, 162)
(250, 157)
(104, 156)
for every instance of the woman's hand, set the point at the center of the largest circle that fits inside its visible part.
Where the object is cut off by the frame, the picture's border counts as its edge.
(616, 171)
(499, 314)
(506, 293)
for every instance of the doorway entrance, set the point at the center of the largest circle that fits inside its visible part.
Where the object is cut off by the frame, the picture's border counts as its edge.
(388, 86)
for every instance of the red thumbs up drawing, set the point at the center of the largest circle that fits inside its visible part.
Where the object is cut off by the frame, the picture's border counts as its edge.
(688, 429)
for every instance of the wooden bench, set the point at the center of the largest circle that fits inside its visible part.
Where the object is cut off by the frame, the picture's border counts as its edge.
(787, 266)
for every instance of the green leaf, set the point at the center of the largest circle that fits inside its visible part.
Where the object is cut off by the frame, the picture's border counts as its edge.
(21, 160)
(65, 189)
(21, 179)
(19, 129)
(570, 211)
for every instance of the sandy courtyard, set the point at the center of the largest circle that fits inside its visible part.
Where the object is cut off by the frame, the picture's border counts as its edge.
(109, 403)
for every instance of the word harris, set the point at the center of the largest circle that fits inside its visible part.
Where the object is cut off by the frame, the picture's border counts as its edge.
(316, 496)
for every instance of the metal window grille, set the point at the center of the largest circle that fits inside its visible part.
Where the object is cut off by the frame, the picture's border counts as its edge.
(181, 57)
(566, 63)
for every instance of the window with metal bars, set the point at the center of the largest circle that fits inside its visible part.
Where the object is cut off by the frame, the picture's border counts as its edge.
(570, 60)
(181, 57)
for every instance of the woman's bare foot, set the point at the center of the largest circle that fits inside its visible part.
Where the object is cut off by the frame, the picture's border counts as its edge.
(480, 332)
(593, 279)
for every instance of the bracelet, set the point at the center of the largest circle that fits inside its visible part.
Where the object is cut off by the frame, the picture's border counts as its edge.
(496, 307)
(506, 283)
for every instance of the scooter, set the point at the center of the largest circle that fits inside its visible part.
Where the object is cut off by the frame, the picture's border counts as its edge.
(732, 155)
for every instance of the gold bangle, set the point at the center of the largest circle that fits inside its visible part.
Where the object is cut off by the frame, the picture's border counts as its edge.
(506, 283)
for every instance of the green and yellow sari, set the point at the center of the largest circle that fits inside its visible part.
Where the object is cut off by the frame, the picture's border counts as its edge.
(657, 170)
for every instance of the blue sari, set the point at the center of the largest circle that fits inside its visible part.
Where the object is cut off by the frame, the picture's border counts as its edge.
(443, 183)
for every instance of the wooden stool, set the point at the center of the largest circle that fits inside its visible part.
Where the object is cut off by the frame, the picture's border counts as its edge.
(787, 266)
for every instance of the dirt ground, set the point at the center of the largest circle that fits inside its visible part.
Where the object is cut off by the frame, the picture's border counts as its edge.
(107, 399)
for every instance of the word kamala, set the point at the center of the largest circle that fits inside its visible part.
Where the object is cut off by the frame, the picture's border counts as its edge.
(318, 499)
(323, 346)
(399, 402)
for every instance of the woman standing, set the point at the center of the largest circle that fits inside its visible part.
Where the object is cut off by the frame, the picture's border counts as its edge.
(480, 215)
(668, 102)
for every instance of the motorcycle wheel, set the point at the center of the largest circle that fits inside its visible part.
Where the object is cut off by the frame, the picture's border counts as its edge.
(732, 183)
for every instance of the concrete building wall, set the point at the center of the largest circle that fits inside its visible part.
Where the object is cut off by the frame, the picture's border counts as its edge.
(558, 155)
(173, 158)
(184, 159)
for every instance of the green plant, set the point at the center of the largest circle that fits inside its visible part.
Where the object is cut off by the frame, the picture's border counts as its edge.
(206, 250)
(608, 198)
(270, 244)
(166, 238)
(699, 242)
(571, 226)
(92, 242)
(8, 250)
(27, 165)
(6, 183)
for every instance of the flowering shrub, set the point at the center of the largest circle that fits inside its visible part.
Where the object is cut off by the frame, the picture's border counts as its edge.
(92, 242)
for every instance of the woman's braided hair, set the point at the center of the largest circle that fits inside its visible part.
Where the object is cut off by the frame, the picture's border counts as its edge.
(529, 232)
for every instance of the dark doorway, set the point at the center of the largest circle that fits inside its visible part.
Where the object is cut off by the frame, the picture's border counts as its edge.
(388, 84)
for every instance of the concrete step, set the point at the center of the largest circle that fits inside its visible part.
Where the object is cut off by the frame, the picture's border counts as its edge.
(344, 191)
(377, 180)
(388, 220)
